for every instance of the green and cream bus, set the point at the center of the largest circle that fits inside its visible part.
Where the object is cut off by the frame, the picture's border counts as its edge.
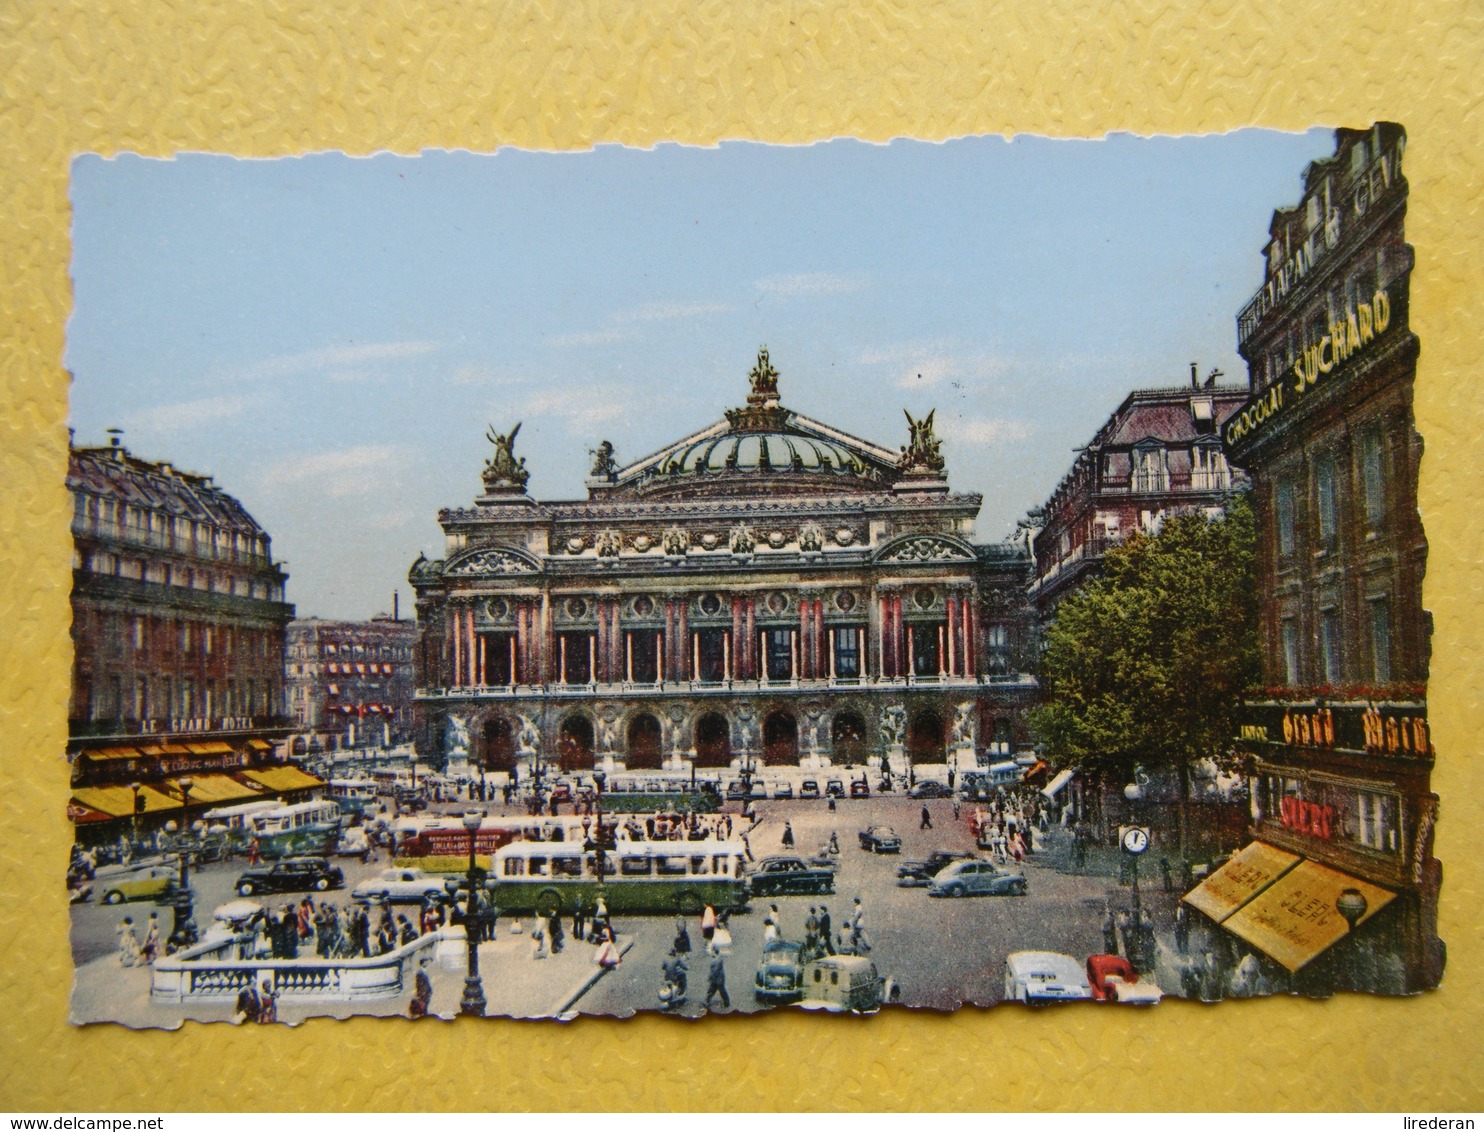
(638, 876)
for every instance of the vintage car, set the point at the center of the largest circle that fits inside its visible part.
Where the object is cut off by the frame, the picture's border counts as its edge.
(291, 874)
(353, 843)
(561, 792)
(780, 972)
(736, 791)
(846, 982)
(861, 789)
(783, 790)
(1114, 979)
(917, 873)
(1044, 976)
(976, 878)
(880, 839)
(401, 886)
(809, 788)
(930, 789)
(789, 876)
(117, 883)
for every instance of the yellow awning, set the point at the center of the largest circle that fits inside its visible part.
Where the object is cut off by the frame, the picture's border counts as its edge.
(1295, 918)
(211, 748)
(1240, 879)
(118, 801)
(114, 753)
(219, 788)
(260, 745)
(283, 778)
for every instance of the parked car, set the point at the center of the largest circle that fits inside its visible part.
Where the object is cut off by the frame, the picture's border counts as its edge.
(780, 972)
(783, 790)
(401, 886)
(916, 873)
(1044, 976)
(759, 791)
(846, 982)
(976, 878)
(860, 789)
(736, 791)
(809, 788)
(930, 789)
(834, 788)
(291, 874)
(561, 792)
(1113, 979)
(880, 839)
(117, 883)
(788, 876)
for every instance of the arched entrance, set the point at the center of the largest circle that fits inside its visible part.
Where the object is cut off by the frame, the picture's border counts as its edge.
(644, 751)
(925, 738)
(780, 739)
(498, 749)
(713, 741)
(848, 739)
(575, 743)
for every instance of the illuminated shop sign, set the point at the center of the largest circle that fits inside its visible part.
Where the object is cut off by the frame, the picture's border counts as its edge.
(1346, 338)
(1386, 729)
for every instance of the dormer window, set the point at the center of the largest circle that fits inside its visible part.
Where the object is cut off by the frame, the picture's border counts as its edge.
(1151, 474)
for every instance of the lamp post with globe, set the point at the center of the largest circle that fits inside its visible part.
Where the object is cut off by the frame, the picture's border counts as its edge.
(182, 906)
(473, 1002)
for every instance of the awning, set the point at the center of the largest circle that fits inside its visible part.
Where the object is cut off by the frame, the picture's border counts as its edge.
(219, 788)
(260, 744)
(1282, 904)
(283, 778)
(78, 814)
(1053, 788)
(118, 801)
(211, 748)
(103, 754)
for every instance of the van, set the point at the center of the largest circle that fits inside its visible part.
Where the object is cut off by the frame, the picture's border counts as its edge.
(1044, 976)
(838, 983)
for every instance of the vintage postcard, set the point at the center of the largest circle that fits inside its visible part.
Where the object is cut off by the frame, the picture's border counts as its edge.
(707, 581)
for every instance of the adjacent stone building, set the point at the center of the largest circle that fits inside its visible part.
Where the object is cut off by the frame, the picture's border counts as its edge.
(769, 589)
(350, 683)
(178, 619)
(1339, 744)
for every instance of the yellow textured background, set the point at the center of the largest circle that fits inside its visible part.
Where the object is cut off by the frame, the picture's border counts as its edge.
(279, 77)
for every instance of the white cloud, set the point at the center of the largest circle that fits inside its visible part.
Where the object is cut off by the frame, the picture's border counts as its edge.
(812, 283)
(340, 363)
(656, 312)
(486, 376)
(350, 471)
(921, 365)
(580, 409)
(188, 414)
(593, 337)
(984, 430)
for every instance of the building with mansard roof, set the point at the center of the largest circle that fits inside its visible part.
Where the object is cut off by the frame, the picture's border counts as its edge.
(767, 590)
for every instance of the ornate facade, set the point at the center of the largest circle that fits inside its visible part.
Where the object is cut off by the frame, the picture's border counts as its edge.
(766, 590)
(350, 683)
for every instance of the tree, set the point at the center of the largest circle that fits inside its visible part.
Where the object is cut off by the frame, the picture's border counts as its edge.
(1145, 665)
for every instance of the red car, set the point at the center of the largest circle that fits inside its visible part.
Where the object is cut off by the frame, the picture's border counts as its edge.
(1113, 979)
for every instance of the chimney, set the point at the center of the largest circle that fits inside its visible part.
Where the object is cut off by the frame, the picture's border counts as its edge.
(1194, 380)
(395, 615)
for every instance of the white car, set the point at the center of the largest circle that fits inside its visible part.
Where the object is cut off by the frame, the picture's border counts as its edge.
(1044, 976)
(401, 886)
(353, 843)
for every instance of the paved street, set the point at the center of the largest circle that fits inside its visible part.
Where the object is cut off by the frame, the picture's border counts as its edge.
(942, 952)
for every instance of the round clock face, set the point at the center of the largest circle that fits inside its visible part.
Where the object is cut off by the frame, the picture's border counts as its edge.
(1136, 840)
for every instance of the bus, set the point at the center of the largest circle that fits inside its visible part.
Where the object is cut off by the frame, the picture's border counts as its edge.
(659, 877)
(305, 829)
(354, 795)
(441, 844)
(237, 821)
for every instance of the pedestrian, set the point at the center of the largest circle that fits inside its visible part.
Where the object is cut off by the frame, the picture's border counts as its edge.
(254, 852)
(674, 971)
(128, 942)
(1167, 874)
(860, 943)
(422, 995)
(831, 803)
(608, 956)
(788, 835)
(406, 933)
(538, 939)
(151, 949)
(716, 982)
(579, 918)
(268, 1011)
(682, 937)
(708, 923)
(826, 930)
(306, 918)
(555, 933)
(747, 845)
(1110, 931)
(955, 809)
(776, 918)
(1182, 929)
(1126, 934)
(770, 930)
(812, 948)
(601, 923)
(249, 1004)
(927, 819)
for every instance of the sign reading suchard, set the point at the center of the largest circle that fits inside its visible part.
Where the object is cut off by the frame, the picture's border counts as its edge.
(1357, 330)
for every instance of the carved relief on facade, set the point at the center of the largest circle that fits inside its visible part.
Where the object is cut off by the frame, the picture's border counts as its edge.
(893, 725)
(609, 543)
(489, 562)
(676, 541)
(925, 548)
(742, 540)
(811, 538)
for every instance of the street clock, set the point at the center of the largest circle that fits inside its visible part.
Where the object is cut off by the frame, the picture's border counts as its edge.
(1135, 839)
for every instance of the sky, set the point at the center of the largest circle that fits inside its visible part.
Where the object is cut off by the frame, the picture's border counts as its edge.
(330, 337)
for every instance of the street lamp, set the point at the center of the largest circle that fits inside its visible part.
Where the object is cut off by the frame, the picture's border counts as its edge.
(136, 787)
(183, 930)
(473, 1001)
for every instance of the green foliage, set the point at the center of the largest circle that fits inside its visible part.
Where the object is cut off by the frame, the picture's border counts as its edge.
(1145, 664)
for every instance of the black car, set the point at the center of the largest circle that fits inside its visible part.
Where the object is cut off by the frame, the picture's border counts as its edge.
(880, 839)
(860, 789)
(930, 789)
(780, 972)
(789, 876)
(913, 873)
(292, 874)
